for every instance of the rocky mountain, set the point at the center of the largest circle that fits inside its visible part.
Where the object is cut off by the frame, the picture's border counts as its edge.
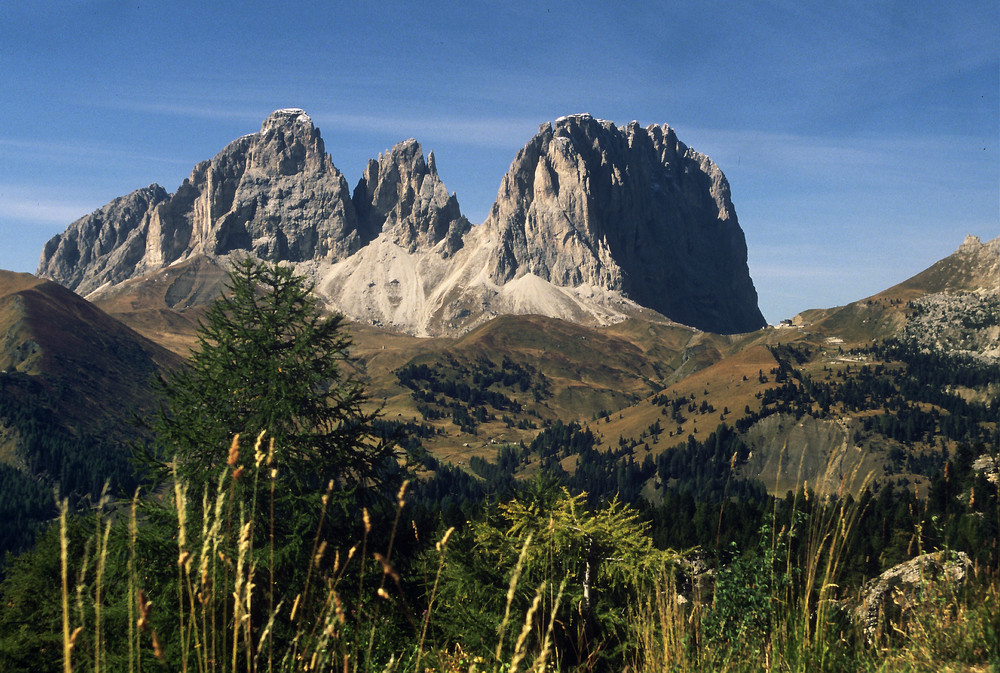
(952, 305)
(627, 209)
(973, 267)
(592, 224)
(961, 311)
(274, 193)
(401, 195)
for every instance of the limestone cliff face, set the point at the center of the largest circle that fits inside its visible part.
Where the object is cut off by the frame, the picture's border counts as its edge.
(402, 196)
(628, 209)
(592, 223)
(109, 244)
(274, 193)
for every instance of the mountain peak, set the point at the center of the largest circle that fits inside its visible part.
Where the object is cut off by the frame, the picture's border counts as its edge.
(579, 118)
(401, 195)
(971, 242)
(630, 210)
(285, 117)
(591, 223)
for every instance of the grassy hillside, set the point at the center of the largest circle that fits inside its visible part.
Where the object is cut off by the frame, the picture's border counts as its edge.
(72, 382)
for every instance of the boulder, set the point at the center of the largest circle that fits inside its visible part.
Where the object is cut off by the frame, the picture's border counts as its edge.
(888, 600)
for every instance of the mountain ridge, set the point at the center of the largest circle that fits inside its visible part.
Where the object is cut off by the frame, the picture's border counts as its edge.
(973, 268)
(592, 222)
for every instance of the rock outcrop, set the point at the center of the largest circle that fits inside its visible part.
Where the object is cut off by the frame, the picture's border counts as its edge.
(107, 246)
(973, 267)
(954, 305)
(887, 600)
(632, 210)
(402, 195)
(592, 224)
(275, 193)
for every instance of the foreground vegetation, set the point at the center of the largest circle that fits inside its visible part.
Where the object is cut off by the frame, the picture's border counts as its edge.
(540, 582)
(277, 532)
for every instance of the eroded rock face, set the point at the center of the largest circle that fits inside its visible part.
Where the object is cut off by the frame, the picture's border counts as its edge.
(277, 194)
(591, 224)
(274, 193)
(109, 244)
(630, 209)
(402, 195)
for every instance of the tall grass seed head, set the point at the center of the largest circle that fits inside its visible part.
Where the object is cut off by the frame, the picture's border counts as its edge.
(444, 540)
(234, 450)
(258, 455)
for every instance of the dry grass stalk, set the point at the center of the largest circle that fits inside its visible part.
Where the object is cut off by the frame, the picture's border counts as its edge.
(441, 546)
(662, 629)
(64, 567)
(529, 621)
(515, 577)
(540, 660)
(133, 534)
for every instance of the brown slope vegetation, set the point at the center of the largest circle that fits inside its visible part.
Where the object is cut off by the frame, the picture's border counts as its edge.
(827, 448)
(615, 378)
(59, 351)
(731, 383)
(586, 371)
(68, 331)
(166, 306)
(724, 372)
(973, 267)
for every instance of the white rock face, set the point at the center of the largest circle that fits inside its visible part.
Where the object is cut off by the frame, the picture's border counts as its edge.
(592, 223)
(428, 293)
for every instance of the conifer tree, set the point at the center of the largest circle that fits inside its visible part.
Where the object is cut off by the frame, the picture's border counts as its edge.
(269, 360)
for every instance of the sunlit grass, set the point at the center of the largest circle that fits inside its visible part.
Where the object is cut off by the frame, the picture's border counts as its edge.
(230, 613)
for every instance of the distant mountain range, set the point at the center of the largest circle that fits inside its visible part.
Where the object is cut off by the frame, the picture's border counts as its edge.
(592, 224)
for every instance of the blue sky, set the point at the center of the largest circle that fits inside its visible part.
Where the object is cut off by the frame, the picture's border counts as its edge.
(860, 139)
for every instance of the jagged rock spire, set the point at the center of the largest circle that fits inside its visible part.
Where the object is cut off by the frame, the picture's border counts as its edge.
(402, 196)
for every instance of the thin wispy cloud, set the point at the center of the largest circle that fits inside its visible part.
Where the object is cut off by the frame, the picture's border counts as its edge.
(820, 153)
(476, 131)
(44, 213)
(483, 132)
(189, 111)
(42, 210)
(52, 151)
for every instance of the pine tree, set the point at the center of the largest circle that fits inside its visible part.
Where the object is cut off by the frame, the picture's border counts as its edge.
(269, 360)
